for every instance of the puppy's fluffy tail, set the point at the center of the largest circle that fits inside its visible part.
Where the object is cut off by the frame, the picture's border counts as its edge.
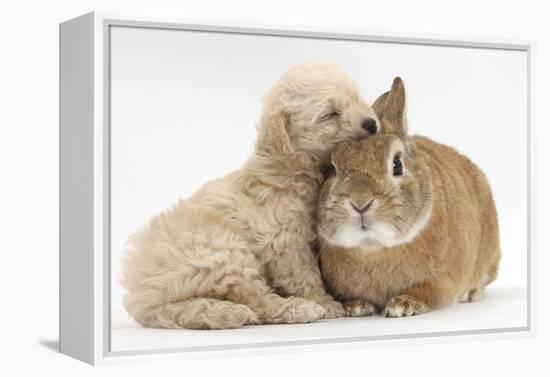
(195, 313)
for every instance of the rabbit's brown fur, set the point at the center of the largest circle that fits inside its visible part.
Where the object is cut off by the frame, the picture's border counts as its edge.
(237, 251)
(430, 236)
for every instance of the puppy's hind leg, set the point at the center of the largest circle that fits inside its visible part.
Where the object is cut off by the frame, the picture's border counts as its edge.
(227, 290)
(195, 292)
(245, 299)
(201, 313)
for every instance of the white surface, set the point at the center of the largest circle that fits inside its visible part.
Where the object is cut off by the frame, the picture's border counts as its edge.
(502, 308)
(185, 104)
(29, 160)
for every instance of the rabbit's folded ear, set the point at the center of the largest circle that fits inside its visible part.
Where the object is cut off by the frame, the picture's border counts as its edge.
(390, 108)
(273, 137)
(380, 103)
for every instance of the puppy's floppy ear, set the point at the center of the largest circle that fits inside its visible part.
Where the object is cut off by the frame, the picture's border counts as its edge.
(273, 136)
(390, 108)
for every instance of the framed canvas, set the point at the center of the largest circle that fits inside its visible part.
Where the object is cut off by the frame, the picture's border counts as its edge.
(151, 109)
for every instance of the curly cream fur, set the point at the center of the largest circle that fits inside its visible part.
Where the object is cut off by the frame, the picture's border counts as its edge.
(237, 252)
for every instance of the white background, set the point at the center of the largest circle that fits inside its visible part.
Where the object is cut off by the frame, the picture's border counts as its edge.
(184, 107)
(29, 155)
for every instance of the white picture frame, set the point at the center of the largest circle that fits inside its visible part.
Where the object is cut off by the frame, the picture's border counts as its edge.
(85, 151)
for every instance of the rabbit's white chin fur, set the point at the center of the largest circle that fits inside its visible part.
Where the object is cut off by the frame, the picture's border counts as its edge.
(373, 239)
(378, 235)
(351, 236)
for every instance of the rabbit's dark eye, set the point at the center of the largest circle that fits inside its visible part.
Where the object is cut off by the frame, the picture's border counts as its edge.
(397, 166)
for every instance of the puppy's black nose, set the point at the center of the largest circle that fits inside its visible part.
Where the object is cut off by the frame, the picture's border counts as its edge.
(369, 125)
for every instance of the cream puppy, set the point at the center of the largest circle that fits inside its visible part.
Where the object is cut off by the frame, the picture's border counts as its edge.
(238, 251)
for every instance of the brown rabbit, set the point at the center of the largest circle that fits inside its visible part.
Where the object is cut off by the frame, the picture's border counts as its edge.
(406, 225)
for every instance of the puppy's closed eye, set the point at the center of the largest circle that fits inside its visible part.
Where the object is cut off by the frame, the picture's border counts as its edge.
(330, 115)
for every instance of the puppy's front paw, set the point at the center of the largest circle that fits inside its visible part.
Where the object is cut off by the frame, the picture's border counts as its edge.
(306, 311)
(333, 309)
(358, 308)
(404, 306)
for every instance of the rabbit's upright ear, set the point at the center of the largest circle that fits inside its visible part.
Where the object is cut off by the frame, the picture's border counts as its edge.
(390, 108)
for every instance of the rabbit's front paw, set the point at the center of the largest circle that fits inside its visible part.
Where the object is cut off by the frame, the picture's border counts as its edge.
(404, 306)
(473, 295)
(358, 308)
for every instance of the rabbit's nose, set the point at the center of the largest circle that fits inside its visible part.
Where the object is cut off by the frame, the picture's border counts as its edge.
(363, 209)
(369, 125)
